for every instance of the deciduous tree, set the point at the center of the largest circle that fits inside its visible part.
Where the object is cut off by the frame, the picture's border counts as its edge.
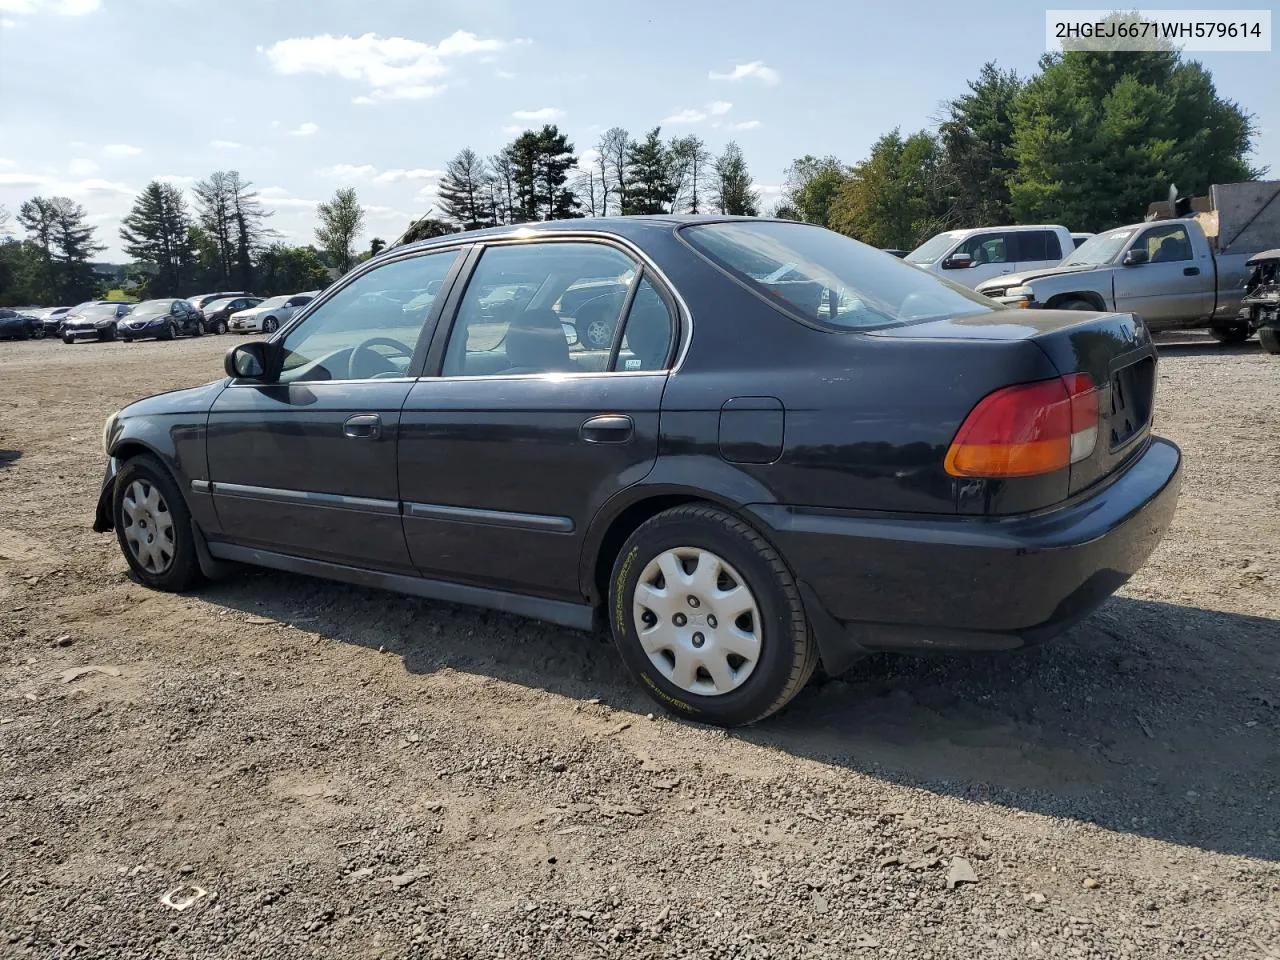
(341, 220)
(732, 192)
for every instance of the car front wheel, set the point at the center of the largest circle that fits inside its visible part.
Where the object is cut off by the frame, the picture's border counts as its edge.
(220, 327)
(153, 526)
(707, 616)
(269, 325)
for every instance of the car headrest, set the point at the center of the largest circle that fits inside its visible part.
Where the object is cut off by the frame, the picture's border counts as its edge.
(536, 342)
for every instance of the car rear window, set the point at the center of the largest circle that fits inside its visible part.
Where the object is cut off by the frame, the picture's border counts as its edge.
(828, 279)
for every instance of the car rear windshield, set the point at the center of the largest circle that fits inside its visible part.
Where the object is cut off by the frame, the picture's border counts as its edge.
(829, 279)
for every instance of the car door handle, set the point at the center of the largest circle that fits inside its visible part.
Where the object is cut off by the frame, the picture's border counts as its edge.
(363, 426)
(1191, 271)
(611, 428)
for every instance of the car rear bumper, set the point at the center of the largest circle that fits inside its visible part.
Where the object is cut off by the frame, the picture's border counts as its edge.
(944, 583)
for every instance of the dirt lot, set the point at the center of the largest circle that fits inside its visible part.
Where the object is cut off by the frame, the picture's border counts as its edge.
(353, 774)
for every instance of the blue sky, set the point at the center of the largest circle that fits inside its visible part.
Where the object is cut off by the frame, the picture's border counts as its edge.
(303, 96)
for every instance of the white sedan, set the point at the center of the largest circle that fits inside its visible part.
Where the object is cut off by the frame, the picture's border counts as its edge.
(267, 316)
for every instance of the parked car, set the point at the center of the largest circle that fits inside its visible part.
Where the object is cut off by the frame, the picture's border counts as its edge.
(1079, 238)
(164, 319)
(269, 315)
(200, 299)
(972, 256)
(19, 324)
(1261, 303)
(764, 474)
(217, 313)
(1168, 271)
(52, 318)
(94, 319)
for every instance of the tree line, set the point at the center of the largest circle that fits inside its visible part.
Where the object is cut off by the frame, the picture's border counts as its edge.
(1087, 141)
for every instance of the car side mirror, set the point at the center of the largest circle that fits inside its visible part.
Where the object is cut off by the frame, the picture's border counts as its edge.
(1136, 256)
(250, 361)
(957, 261)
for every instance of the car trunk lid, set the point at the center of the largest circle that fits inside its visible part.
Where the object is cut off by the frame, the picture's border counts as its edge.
(1113, 349)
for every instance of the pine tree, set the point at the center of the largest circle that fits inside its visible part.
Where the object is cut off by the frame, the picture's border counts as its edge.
(649, 176)
(58, 227)
(733, 193)
(157, 234)
(465, 196)
(540, 165)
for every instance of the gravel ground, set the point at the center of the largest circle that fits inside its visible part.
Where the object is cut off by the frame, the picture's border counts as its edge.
(345, 773)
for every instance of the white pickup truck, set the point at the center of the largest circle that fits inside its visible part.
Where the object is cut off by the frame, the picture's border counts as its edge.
(971, 256)
(1169, 272)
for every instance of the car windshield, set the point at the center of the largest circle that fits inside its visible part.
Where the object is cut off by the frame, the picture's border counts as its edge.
(151, 308)
(831, 279)
(97, 309)
(932, 249)
(275, 302)
(1099, 249)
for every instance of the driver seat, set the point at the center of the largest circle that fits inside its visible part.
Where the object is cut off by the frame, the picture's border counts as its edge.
(536, 343)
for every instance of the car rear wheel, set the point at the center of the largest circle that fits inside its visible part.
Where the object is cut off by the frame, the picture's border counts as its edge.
(1236, 332)
(110, 333)
(198, 329)
(37, 333)
(153, 526)
(269, 325)
(707, 616)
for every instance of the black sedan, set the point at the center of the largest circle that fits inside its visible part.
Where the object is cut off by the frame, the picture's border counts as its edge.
(93, 320)
(162, 320)
(794, 449)
(20, 324)
(218, 312)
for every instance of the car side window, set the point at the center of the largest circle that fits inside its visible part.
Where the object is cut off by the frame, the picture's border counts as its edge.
(545, 307)
(1167, 244)
(1036, 245)
(370, 328)
(989, 248)
(648, 331)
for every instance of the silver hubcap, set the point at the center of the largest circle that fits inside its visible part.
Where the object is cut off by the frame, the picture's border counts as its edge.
(148, 526)
(698, 621)
(599, 332)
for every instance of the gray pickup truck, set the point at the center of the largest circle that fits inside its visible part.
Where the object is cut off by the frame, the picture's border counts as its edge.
(1166, 271)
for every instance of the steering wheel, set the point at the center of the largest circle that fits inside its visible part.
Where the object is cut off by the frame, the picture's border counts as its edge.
(383, 365)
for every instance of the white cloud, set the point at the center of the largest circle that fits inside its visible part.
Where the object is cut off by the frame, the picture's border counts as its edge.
(71, 188)
(81, 167)
(504, 74)
(177, 179)
(225, 145)
(588, 158)
(363, 100)
(121, 150)
(394, 68)
(768, 191)
(512, 129)
(716, 108)
(8, 24)
(755, 69)
(349, 171)
(544, 114)
(305, 130)
(66, 8)
(418, 173)
(744, 125)
(5, 163)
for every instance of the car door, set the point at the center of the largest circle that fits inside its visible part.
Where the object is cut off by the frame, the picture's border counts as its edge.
(1035, 249)
(1174, 286)
(992, 253)
(508, 452)
(306, 465)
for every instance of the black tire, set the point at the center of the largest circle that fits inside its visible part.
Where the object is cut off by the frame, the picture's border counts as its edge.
(1236, 332)
(37, 333)
(107, 335)
(788, 654)
(595, 332)
(198, 329)
(68, 340)
(220, 328)
(1269, 337)
(183, 570)
(1074, 303)
(270, 325)
(170, 332)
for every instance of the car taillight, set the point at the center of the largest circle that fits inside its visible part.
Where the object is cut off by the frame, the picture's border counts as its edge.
(1027, 429)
